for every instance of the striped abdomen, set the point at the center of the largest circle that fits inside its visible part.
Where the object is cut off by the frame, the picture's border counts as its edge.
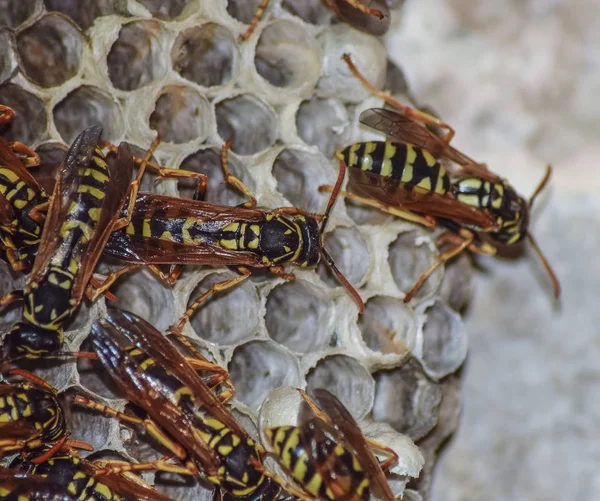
(415, 168)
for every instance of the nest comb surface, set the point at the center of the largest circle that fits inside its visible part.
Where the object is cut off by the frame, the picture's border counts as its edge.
(287, 101)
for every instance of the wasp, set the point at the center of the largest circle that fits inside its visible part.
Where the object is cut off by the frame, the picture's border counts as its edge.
(81, 479)
(373, 18)
(18, 486)
(22, 201)
(327, 454)
(184, 415)
(168, 230)
(481, 211)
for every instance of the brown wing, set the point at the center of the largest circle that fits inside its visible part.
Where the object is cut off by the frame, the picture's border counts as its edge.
(430, 203)
(401, 128)
(11, 161)
(18, 430)
(344, 422)
(123, 485)
(109, 344)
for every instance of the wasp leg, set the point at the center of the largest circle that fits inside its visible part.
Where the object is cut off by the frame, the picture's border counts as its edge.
(412, 113)
(294, 211)
(16, 295)
(6, 114)
(148, 424)
(37, 212)
(30, 376)
(280, 272)
(314, 408)
(255, 20)
(216, 287)
(116, 467)
(237, 183)
(391, 461)
(15, 263)
(93, 291)
(357, 5)
(426, 221)
(32, 159)
(462, 242)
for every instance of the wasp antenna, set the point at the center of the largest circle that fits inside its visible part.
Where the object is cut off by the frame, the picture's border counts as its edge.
(549, 270)
(334, 194)
(357, 299)
(542, 184)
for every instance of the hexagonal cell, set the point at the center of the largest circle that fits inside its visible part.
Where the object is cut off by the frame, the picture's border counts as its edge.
(407, 399)
(180, 115)
(165, 10)
(136, 58)
(51, 156)
(288, 56)
(363, 214)
(457, 287)
(350, 254)
(83, 12)
(248, 122)
(408, 260)
(347, 379)
(208, 161)
(84, 107)
(8, 57)
(14, 13)
(50, 50)
(206, 55)
(30, 121)
(227, 317)
(259, 366)
(297, 317)
(243, 10)
(310, 11)
(323, 123)
(142, 293)
(444, 345)
(299, 174)
(388, 326)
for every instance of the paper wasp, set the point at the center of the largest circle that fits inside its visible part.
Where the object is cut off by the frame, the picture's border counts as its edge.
(481, 211)
(81, 478)
(168, 230)
(183, 414)
(18, 486)
(373, 18)
(327, 454)
(22, 201)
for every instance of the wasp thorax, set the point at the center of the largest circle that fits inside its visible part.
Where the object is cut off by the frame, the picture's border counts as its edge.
(31, 341)
(297, 240)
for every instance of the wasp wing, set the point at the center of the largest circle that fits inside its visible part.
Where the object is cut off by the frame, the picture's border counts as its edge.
(110, 345)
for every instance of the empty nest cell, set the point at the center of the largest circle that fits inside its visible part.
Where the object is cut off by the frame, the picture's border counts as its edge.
(162, 9)
(243, 10)
(249, 123)
(206, 55)
(310, 11)
(14, 13)
(297, 316)
(8, 55)
(136, 58)
(350, 254)
(181, 115)
(323, 123)
(30, 121)
(84, 107)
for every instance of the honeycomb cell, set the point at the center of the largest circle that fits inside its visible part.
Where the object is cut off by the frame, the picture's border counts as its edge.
(298, 317)
(363, 214)
(208, 161)
(248, 122)
(206, 55)
(30, 121)
(227, 317)
(299, 174)
(409, 256)
(387, 326)
(142, 293)
(165, 10)
(84, 107)
(407, 399)
(51, 156)
(444, 343)
(310, 11)
(243, 10)
(136, 58)
(280, 408)
(50, 50)
(259, 366)
(350, 254)
(180, 115)
(289, 57)
(323, 123)
(83, 12)
(15, 12)
(8, 56)
(347, 379)
(457, 287)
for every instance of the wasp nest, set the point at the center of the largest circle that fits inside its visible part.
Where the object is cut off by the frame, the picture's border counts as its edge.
(287, 101)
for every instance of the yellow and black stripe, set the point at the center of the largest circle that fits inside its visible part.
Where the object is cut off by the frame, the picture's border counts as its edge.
(415, 168)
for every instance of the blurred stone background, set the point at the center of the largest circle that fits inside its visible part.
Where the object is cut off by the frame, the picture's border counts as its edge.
(519, 81)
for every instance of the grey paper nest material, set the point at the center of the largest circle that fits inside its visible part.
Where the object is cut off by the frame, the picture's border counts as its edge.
(286, 100)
